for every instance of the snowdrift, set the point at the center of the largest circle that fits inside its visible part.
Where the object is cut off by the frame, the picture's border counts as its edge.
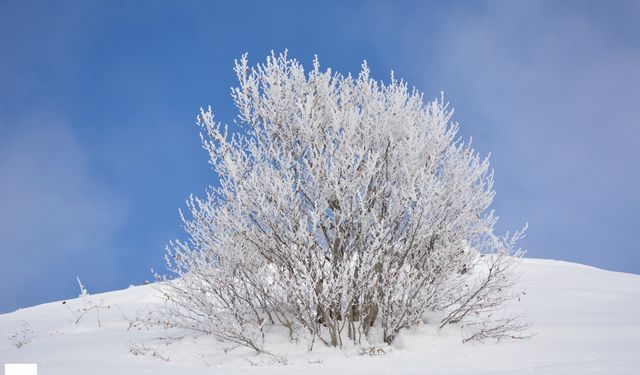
(586, 320)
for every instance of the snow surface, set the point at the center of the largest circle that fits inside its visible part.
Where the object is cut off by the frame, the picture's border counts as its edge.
(587, 321)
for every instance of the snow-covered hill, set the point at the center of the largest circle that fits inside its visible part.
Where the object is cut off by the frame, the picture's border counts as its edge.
(587, 321)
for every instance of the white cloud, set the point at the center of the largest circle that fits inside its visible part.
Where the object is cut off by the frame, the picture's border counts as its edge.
(551, 89)
(57, 216)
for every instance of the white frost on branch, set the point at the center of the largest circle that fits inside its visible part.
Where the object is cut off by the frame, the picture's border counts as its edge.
(346, 208)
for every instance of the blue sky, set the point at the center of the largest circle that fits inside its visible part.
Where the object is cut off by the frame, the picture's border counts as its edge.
(98, 147)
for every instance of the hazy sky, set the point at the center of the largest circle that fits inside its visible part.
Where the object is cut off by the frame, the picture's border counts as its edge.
(98, 148)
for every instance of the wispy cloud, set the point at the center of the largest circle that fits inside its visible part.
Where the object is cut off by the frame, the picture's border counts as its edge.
(556, 87)
(551, 89)
(57, 216)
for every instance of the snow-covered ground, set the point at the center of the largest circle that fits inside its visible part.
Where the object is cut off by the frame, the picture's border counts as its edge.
(587, 321)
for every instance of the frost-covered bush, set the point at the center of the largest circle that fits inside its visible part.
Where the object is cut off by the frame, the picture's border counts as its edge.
(346, 208)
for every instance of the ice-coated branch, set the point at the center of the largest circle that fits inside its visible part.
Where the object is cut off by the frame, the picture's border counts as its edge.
(346, 207)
